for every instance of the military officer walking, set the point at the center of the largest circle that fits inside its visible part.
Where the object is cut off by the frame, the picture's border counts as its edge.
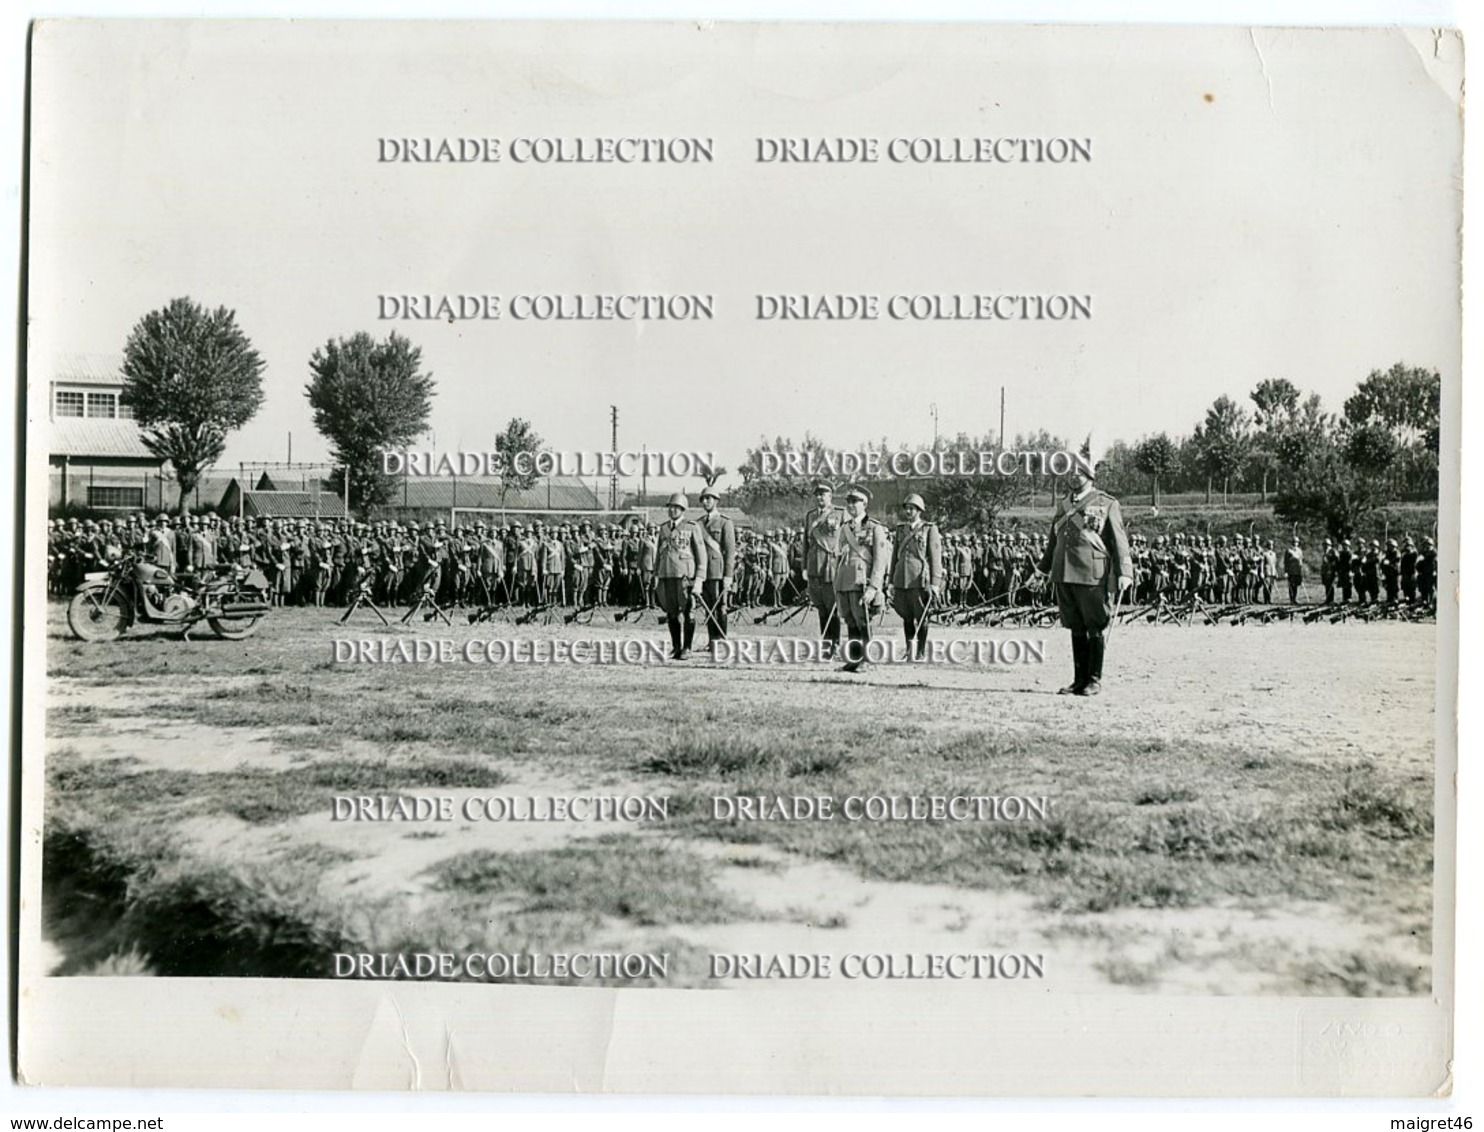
(720, 537)
(680, 572)
(916, 573)
(1087, 559)
(859, 575)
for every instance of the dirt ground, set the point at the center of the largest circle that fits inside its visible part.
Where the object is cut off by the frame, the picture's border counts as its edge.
(1290, 696)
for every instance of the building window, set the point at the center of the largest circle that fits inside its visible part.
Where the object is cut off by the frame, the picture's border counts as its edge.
(69, 403)
(126, 412)
(103, 405)
(131, 498)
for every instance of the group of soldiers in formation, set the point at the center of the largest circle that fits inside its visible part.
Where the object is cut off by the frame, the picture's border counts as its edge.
(1246, 570)
(592, 565)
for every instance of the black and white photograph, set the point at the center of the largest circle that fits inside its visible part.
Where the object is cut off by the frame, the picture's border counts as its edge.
(715, 557)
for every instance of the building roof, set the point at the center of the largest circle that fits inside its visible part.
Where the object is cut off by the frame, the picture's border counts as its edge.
(88, 369)
(564, 493)
(99, 437)
(292, 505)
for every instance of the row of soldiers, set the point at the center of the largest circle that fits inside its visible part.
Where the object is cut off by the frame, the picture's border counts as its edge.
(597, 564)
(1246, 569)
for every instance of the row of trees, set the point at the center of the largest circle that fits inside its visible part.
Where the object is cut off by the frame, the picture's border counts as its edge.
(1387, 433)
(191, 377)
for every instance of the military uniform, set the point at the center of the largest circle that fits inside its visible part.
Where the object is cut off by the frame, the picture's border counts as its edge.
(916, 575)
(1085, 557)
(720, 537)
(859, 574)
(679, 568)
(822, 526)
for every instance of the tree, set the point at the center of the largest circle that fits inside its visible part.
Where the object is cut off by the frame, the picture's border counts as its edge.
(1223, 442)
(976, 501)
(1329, 489)
(1277, 401)
(518, 439)
(1304, 436)
(1156, 457)
(191, 376)
(368, 397)
(1405, 401)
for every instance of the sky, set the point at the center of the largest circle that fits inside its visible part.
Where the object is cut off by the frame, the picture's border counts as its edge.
(1279, 203)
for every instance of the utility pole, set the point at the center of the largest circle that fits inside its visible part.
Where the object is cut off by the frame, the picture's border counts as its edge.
(933, 408)
(613, 479)
(1002, 418)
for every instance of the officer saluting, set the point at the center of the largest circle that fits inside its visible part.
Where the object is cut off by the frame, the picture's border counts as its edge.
(821, 555)
(859, 574)
(916, 573)
(1087, 558)
(680, 571)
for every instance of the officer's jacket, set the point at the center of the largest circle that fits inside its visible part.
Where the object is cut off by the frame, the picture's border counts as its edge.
(491, 556)
(526, 557)
(681, 552)
(1088, 546)
(917, 557)
(720, 537)
(822, 542)
(864, 554)
(552, 556)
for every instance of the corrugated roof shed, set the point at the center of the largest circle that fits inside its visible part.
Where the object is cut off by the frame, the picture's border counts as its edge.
(565, 493)
(98, 437)
(88, 369)
(292, 505)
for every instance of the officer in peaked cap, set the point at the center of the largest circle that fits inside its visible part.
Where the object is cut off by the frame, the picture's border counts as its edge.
(680, 572)
(720, 537)
(1087, 559)
(916, 573)
(822, 526)
(859, 574)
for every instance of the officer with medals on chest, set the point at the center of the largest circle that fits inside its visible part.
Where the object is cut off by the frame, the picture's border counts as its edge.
(821, 555)
(859, 575)
(1087, 559)
(916, 573)
(720, 537)
(680, 572)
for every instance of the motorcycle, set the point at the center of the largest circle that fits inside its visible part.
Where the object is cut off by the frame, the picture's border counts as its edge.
(232, 600)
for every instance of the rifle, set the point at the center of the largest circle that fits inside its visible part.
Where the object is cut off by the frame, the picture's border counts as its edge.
(530, 615)
(794, 608)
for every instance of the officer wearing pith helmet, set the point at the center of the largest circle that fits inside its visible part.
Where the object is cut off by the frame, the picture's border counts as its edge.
(680, 572)
(860, 574)
(916, 573)
(1087, 558)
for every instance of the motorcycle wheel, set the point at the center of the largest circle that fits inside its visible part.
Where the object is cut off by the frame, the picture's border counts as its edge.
(234, 628)
(97, 615)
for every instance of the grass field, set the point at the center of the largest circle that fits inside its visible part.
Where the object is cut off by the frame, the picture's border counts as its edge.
(1245, 809)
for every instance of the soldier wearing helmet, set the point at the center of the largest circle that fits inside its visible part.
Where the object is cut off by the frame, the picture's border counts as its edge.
(720, 537)
(680, 573)
(916, 573)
